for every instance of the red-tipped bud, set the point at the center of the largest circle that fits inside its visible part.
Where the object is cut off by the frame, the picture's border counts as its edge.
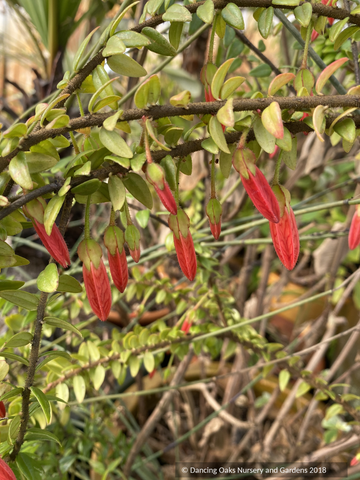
(256, 184)
(285, 234)
(184, 245)
(276, 149)
(214, 212)
(151, 374)
(186, 326)
(354, 233)
(314, 35)
(96, 279)
(132, 238)
(54, 243)
(156, 176)
(114, 242)
(2, 410)
(206, 75)
(5, 471)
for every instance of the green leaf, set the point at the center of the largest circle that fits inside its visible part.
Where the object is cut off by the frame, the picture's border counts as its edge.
(210, 146)
(177, 13)
(10, 285)
(63, 324)
(5, 249)
(290, 158)
(79, 388)
(336, 29)
(87, 188)
(43, 402)
(19, 171)
(14, 428)
(48, 280)
(4, 368)
(284, 378)
(110, 122)
(154, 136)
(346, 129)
(39, 162)
(134, 365)
(69, 284)
(99, 92)
(186, 165)
(115, 143)
(319, 121)
(303, 14)
(19, 340)
(13, 393)
(98, 377)
(126, 66)
(226, 114)
(265, 22)
(173, 135)
(13, 356)
(206, 12)
(34, 434)
(263, 137)
(328, 71)
(285, 3)
(225, 163)
(261, 71)
(158, 44)
(230, 86)
(51, 106)
(280, 81)
(26, 465)
(51, 212)
(343, 36)
(302, 389)
(117, 192)
(17, 130)
(81, 49)
(285, 143)
(114, 46)
(217, 134)
(107, 101)
(119, 17)
(148, 92)
(133, 39)
(219, 78)
(233, 16)
(272, 121)
(137, 186)
(149, 361)
(22, 299)
(142, 218)
(124, 162)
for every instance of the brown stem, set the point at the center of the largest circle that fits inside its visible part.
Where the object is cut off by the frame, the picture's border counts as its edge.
(34, 355)
(200, 108)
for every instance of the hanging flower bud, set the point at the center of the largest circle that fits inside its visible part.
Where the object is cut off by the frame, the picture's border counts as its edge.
(95, 278)
(132, 238)
(54, 243)
(184, 245)
(2, 410)
(156, 176)
(354, 233)
(5, 471)
(285, 234)
(114, 242)
(206, 75)
(186, 325)
(256, 184)
(214, 212)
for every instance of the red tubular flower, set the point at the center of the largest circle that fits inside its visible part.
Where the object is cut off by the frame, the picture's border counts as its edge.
(54, 243)
(96, 279)
(2, 410)
(114, 242)
(354, 233)
(5, 471)
(256, 184)
(285, 234)
(184, 245)
(132, 238)
(214, 212)
(156, 176)
(186, 326)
